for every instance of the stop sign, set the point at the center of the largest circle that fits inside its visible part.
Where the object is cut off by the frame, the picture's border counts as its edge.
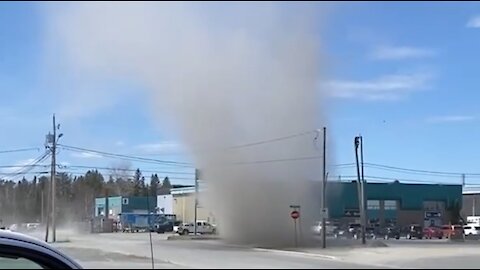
(295, 214)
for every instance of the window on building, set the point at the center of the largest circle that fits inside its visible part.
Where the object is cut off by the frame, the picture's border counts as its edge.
(433, 205)
(390, 205)
(373, 204)
(124, 201)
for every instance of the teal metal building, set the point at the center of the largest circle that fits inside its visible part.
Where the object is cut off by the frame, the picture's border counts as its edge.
(121, 204)
(395, 203)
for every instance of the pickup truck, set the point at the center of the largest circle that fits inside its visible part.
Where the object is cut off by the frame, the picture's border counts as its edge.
(203, 227)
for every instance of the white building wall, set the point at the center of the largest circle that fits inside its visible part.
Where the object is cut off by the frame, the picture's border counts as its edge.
(165, 202)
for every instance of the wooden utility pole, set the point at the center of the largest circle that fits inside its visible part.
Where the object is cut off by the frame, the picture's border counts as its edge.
(324, 187)
(52, 178)
(197, 172)
(361, 199)
(51, 143)
(364, 204)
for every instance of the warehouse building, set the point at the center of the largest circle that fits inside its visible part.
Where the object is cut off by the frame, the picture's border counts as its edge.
(184, 206)
(395, 203)
(124, 204)
(471, 203)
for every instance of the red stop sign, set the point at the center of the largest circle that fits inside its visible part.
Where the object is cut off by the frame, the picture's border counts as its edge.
(295, 214)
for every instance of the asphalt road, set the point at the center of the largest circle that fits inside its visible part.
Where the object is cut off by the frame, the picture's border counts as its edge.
(133, 251)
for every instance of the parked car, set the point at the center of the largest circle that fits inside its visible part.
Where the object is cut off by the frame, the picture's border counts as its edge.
(331, 229)
(371, 232)
(433, 232)
(164, 227)
(389, 232)
(414, 231)
(178, 225)
(354, 230)
(471, 230)
(452, 231)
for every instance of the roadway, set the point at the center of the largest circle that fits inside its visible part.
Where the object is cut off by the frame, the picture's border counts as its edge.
(132, 251)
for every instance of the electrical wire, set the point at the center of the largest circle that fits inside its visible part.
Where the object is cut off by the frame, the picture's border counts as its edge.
(273, 140)
(126, 157)
(128, 170)
(26, 169)
(275, 160)
(389, 179)
(415, 170)
(20, 150)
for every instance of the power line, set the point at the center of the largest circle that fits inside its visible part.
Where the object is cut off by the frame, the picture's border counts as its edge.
(412, 171)
(128, 170)
(20, 166)
(415, 170)
(276, 160)
(28, 167)
(171, 178)
(375, 178)
(345, 165)
(20, 150)
(127, 157)
(273, 140)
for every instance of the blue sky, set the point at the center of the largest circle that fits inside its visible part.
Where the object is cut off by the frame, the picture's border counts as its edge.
(404, 75)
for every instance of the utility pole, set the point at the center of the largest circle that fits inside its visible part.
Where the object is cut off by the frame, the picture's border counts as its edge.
(324, 186)
(50, 213)
(360, 189)
(364, 219)
(48, 187)
(197, 172)
(52, 178)
(41, 208)
(473, 205)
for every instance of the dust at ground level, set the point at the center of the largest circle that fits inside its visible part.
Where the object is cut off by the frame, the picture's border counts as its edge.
(133, 251)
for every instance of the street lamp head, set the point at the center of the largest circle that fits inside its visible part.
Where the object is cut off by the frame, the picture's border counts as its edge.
(357, 141)
(60, 135)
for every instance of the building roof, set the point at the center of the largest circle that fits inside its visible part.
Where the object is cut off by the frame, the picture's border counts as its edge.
(183, 190)
(471, 192)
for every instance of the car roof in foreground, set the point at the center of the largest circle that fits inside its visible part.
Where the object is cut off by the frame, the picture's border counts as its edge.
(4, 234)
(9, 235)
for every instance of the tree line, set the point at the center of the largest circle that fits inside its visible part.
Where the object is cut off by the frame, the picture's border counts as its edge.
(26, 200)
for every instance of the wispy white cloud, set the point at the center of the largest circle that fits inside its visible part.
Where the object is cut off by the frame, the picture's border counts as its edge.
(387, 87)
(400, 53)
(17, 166)
(166, 147)
(86, 155)
(64, 163)
(119, 143)
(451, 119)
(474, 22)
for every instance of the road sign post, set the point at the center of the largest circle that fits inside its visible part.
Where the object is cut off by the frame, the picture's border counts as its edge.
(295, 214)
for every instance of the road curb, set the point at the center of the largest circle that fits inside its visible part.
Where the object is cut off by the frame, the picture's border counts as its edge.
(290, 252)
